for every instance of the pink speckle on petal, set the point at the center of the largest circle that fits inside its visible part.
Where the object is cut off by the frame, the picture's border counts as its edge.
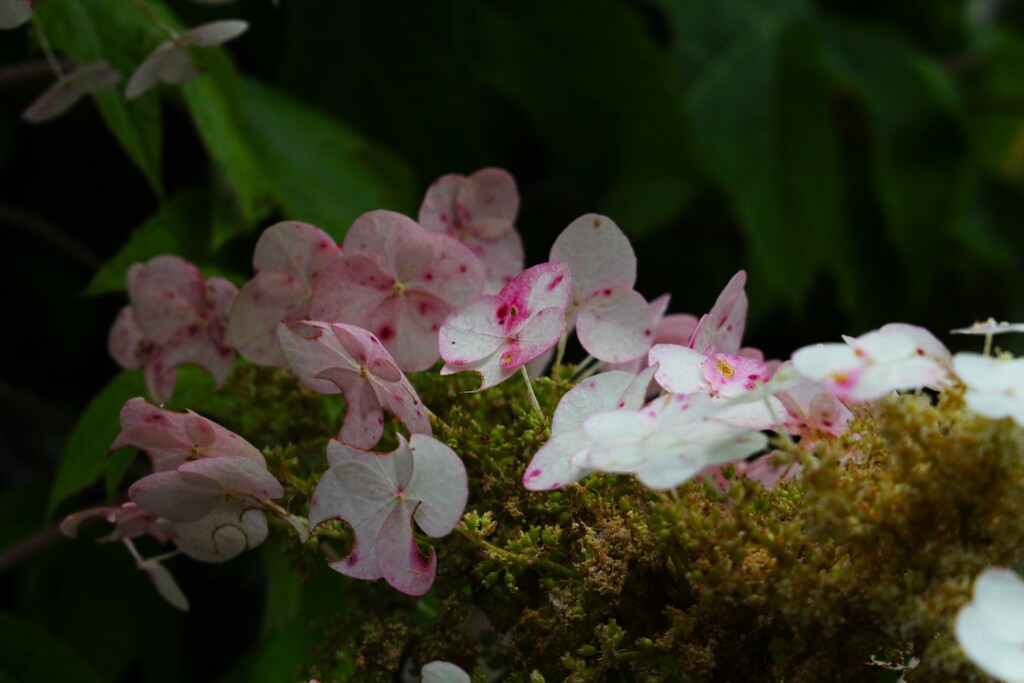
(554, 283)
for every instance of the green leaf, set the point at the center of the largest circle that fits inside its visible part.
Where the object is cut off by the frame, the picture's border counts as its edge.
(919, 155)
(216, 110)
(113, 30)
(178, 227)
(285, 649)
(85, 458)
(762, 119)
(318, 170)
(28, 654)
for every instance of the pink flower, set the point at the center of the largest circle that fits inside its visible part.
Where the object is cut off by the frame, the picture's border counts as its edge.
(722, 377)
(335, 357)
(289, 260)
(479, 211)
(170, 62)
(675, 328)
(171, 439)
(129, 520)
(400, 282)
(379, 495)
(494, 336)
(175, 317)
(214, 504)
(612, 320)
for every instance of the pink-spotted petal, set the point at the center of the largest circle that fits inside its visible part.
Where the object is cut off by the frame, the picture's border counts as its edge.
(598, 254)
(439, 482)
(540, 333)
(487, 203)
(177, 496)
(680, 369)
(400, 561)
(614, 325)
(168, 295)
(553, 467)
(127, 342)
(730, 313)
(473, 332)
(237, 476)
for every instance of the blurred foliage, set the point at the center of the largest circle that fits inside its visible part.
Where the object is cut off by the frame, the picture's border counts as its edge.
(864, 161)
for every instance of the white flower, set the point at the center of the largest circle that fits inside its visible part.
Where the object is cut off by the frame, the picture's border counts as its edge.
(989, 327)
(995, 387)
(990, 628)
(897, 356)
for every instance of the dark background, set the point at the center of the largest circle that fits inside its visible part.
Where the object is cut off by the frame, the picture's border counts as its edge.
(863, 161)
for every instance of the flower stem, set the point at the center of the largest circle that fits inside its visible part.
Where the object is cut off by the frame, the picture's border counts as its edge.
(47, 49)
(533, 397)
(155, 18)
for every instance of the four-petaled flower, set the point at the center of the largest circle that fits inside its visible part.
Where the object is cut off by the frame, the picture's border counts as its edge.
(400, 282)
(494, 336)
(335, 357)
(289, 260)
(170, 62)
(995, 386)
(175, 317)
(667, 442)
(380, 495)
(215, 504)
(479, 211)
(552, 466)
(897, 356)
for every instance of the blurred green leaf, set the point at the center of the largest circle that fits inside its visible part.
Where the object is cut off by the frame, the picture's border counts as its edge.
(178, 227)
(320, 171)
(214, 102)
(85, 458)
(702, 30)
(919, 153)
(28, 654)
(121, 34)
(284, 590)
(762, 119)
(282, 653)
(602, 95)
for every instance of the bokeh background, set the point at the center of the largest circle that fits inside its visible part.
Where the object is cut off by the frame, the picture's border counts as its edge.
(862, 160)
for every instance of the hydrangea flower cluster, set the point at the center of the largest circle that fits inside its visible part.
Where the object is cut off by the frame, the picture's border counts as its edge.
(667, 398)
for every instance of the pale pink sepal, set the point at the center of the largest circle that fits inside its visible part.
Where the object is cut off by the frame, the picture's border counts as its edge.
(336, 358)
(380, 495)
(494, 336)
(171, 439)
(70, 88)
(400, 282)
(289, 260)
(170, 62)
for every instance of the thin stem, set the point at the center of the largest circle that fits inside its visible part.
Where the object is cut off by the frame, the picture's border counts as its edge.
(135, 553)
(560, 353)
(47, 50)
(155, 18)
(988, 345)
(584, 365)
(24, 549)
(59, 239)
(163, 558)
(15, 74)
(533, 397)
